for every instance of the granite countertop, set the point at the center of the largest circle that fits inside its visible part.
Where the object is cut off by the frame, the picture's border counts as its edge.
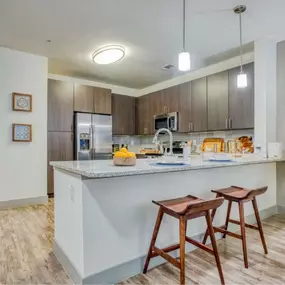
(106, 169)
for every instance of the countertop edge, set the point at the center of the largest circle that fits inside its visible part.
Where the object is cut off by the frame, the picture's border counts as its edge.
(90, 175)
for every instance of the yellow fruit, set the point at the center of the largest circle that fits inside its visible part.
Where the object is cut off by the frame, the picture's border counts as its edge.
(123, 149)
(132, 154)
(120, 154)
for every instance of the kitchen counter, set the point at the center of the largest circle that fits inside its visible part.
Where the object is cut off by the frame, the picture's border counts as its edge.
(104, 215)
(105, 168)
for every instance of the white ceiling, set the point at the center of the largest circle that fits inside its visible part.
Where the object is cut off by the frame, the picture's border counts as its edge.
(150, 30)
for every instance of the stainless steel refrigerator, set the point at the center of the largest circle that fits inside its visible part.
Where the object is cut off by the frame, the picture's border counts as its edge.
(93, 136)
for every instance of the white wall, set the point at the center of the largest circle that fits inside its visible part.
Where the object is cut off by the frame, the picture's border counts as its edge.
(265, 54)
(23, 166)
(281, 93)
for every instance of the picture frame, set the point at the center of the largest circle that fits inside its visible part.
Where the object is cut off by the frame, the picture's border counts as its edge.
(22, 102)
(21, 133)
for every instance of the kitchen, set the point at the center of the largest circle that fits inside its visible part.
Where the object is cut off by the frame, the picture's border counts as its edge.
(137, 171)
(210, 104)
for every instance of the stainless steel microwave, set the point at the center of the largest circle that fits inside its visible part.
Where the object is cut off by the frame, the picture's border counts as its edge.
(168, 121)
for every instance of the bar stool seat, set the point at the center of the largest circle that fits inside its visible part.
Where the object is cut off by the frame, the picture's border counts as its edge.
(178, 206)
(240, 195)
(233, 192)
(184, 209)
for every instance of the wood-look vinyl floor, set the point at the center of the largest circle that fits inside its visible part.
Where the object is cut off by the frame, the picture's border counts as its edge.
(26, 236)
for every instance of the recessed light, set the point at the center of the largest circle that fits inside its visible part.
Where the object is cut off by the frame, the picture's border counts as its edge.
(108, 54)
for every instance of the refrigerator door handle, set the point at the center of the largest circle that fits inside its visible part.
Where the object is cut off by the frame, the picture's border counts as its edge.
(91, 142)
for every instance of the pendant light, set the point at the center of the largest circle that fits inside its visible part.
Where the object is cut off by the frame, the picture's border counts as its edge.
(242, 76)
(184, 63)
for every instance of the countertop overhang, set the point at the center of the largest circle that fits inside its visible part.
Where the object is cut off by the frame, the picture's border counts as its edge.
(96, 169)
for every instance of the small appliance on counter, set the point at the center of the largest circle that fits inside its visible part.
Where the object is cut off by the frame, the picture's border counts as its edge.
(274, 150)
(213, 145)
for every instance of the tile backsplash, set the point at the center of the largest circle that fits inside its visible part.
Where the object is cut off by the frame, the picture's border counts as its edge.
(143, 141)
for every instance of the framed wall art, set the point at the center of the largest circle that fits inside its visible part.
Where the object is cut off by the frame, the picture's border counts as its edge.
(22, 102)
(21, 133)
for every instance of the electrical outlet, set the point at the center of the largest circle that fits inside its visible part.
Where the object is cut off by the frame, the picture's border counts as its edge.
(72, 192)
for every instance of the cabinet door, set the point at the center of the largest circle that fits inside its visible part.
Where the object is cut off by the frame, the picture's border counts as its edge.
(183, 108)
(140, 115)
(60, 106)
(218, 89)
(83, 98)
(143, 115)
(123, 115)
(155, 108)
(60, 148)
(102, 100)
(170, 99)
(241, 100)
(199, 105)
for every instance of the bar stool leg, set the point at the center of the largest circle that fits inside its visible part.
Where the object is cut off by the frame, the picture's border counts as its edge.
(182, 226)
(242, 228)
(213, 213)
(259, 225)
(153, 239)
(228, 217)
(214, 245)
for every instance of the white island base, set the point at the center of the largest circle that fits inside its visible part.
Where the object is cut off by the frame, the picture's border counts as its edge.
(103, 226)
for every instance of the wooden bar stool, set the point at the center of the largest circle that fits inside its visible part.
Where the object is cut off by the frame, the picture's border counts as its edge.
(241, 196)
(184, 209)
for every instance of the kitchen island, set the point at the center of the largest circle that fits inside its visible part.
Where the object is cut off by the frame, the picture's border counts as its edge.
(104, 216)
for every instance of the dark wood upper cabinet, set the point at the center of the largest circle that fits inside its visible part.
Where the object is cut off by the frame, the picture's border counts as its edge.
(144, 115)
(169, 100)
(199, 120)
(60, 105)
(60, 148)
(140, 115)
(83, 98)
(102, 100)
(241, 100)
(123, 115)
(156, 103)
(183, 98)
(218, 94)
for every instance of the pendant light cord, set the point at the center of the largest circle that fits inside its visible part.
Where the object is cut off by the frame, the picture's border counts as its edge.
(240, 41)
(184, 13)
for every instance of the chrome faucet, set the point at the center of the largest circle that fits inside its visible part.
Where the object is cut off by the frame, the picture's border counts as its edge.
(170, 139)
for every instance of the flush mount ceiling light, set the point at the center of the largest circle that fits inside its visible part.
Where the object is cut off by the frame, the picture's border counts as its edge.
(184, 63)
(242, 76)
(108, 54)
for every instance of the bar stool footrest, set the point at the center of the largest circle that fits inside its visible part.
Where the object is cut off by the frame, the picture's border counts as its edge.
(247, 225)
(167, 249)
(223, 231)
(166, 256)
(200, 245)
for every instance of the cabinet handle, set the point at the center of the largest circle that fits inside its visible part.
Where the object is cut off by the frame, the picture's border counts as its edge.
(71, 136)
(189, 126)
(227, 123)
(192, 126)
(231, 123)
